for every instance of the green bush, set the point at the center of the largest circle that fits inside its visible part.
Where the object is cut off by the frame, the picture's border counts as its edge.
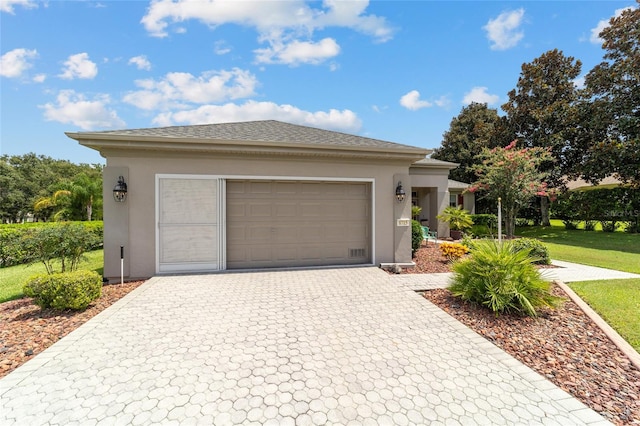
(538, 251)
(590, 225)
(488, 220)
(501, 278)
(416, 236)
(17, 240)
(609, 225)
(570, 224)
(67, 290)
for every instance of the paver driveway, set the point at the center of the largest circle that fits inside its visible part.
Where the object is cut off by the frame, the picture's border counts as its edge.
(332, 346)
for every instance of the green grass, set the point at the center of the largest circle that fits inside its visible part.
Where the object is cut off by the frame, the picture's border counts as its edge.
(613, 250)
(13, 278)
(617, 302)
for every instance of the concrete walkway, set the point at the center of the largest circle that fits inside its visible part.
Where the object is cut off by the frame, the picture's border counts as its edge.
(332, 346)
(566, 272)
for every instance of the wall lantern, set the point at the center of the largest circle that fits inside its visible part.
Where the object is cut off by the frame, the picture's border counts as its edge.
(120, 190)
(400, 192)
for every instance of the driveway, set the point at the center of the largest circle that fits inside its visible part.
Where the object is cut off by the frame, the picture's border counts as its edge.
(325, 346)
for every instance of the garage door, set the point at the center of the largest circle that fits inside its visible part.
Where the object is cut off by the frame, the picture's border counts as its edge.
(297, 223)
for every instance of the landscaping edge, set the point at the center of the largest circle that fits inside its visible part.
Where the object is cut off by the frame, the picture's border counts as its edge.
(613, 335)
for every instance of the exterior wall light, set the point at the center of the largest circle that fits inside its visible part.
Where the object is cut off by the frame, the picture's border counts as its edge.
(400, 192)
(120, 190)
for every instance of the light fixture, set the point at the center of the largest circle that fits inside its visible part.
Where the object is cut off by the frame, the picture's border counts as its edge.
(400, 192)
(120, 190)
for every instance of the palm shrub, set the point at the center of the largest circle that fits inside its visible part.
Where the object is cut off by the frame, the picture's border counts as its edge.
(501, 278)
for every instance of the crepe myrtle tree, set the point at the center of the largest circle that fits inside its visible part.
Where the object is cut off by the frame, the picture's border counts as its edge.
(514, 176)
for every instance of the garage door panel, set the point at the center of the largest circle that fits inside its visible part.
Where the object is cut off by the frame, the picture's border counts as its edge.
(181, 245)
(309, 223)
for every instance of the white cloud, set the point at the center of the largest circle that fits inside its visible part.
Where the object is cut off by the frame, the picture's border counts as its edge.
(178, 88)
(283, 25)
(604, 23)
(267, 16)
(503, 30)
(479, 94)
(79, 66)
(345, 120)
(579, 82)
(8, 5)
(298, 52)
(221, 48)
(141, 62)
(16, 61)
(40, 78)
(73, 108)
(412, 101)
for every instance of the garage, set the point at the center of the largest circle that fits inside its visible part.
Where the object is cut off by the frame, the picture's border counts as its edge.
(280, 223)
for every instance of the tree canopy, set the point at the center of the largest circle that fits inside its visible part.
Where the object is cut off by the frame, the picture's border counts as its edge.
(476, 127)
(30, 178)
(612, 104)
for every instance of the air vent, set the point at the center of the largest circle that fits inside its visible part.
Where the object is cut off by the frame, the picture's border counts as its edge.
(359, 252)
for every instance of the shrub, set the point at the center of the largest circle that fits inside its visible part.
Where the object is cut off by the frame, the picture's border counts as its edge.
(64, 244)
(609, 225)
(16, 239)
(480, 230)
(68, 290)
(453, 251)
(502, 279)
(457, 218)
(416, 236)
(570, 224)
(488, 220)
(11, 248)
(590, 225)
(538, 251)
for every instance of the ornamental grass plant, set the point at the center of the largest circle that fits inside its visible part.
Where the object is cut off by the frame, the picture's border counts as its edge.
(503, 279)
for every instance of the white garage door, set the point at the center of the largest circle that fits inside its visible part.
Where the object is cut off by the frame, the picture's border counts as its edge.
(297, 223)
(188, 231)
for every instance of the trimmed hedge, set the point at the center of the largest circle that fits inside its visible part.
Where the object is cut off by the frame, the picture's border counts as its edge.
(609, 206)
(68, 290)
(16, 239)
(537, 250)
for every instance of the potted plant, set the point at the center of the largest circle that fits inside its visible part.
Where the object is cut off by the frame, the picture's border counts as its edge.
(459, 220)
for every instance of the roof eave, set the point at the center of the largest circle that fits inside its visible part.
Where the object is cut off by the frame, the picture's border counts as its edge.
(102, 142)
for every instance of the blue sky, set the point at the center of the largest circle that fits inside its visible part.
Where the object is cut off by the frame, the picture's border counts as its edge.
(391, 70)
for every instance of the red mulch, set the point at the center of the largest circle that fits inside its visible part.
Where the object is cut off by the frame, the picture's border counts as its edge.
(563, 345)
(26, 329)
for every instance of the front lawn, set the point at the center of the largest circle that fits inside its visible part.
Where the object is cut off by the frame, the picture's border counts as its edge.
(13, 278)
(617, 302)
(613, 250)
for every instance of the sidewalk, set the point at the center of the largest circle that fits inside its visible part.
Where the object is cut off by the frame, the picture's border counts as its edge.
(566, 272)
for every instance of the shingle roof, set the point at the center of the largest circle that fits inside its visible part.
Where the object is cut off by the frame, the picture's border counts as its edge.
(431, 162)
(256, 131)
(454, 184)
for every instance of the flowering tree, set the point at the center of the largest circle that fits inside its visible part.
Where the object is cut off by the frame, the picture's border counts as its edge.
(512, 175)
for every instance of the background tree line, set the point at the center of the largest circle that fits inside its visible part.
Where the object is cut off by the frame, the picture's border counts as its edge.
(40, 188)
(592, 131)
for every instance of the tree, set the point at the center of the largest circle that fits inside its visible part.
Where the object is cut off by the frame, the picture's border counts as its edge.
(476, 127)
(613, 103)
(513, 176)
(542, 113)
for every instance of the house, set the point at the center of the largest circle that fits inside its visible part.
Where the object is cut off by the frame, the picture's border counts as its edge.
(460, 197)
(256, 195)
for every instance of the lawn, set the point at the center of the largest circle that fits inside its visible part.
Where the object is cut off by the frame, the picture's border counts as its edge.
(617, 302)
(613, 250)
(13, 278)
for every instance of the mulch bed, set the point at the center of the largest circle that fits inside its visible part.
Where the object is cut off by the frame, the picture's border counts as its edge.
(26, 329)
(563, 345)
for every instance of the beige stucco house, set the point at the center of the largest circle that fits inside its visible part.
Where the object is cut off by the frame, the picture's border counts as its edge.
(259, 194)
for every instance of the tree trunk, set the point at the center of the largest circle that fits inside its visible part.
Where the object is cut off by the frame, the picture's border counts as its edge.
(544, 211)
(510, 222)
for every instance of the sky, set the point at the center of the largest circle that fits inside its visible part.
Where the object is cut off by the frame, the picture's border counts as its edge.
(392, 70)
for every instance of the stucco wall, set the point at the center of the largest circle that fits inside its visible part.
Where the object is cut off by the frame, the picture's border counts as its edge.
(142, 167)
